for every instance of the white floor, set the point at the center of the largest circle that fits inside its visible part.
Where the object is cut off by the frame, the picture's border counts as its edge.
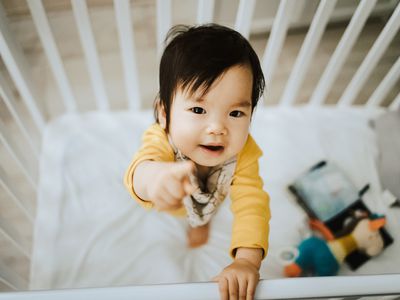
(103, 22)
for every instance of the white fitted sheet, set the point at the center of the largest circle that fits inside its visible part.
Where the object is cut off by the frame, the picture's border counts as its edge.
(90, 233)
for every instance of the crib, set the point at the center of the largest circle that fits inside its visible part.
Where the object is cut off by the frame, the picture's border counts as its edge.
(55, 144)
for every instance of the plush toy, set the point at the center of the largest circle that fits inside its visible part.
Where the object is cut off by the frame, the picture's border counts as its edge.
(323, 257)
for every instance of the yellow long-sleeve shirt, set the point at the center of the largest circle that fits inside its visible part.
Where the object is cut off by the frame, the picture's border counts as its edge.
(250, 203)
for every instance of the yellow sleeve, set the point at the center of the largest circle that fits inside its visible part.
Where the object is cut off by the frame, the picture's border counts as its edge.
(155, 146)
(250, 203)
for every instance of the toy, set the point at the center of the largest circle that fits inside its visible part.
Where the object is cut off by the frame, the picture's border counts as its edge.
(323, 257)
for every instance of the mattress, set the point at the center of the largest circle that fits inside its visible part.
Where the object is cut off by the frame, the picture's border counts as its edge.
(90, 233)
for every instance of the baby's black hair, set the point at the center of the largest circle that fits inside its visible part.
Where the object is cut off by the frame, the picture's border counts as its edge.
(196, 56)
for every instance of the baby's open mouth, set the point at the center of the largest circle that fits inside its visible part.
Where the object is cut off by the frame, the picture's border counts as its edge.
(213, 148)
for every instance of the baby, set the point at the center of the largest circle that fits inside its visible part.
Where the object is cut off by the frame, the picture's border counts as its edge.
(200, 147)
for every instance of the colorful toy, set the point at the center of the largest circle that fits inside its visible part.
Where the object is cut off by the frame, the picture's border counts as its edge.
(323, 256)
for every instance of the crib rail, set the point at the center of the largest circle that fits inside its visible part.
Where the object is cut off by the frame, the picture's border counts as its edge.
(28, 119)
(354, 287)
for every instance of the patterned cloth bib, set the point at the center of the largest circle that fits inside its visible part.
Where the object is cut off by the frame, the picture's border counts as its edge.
(203, 203)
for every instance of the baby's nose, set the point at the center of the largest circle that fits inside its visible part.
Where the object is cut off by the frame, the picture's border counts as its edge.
(217, 128)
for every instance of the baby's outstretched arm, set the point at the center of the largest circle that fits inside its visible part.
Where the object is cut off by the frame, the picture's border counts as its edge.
(163, 183)
(239, 280)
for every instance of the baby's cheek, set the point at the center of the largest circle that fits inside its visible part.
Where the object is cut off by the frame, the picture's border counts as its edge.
(240, 141)
(184, 137)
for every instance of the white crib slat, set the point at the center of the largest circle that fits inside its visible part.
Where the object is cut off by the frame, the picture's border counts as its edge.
(163, 23)
(395, 105)
(89, 48)
(52, 53)
(14, 152)
(205, 11)
(277, 37)
(342, 51)
(17, 65)
(244, 16)
(12, 279)
(127, 45)
(372, 59)
(307, 50)
(9, 100)
(386, 84)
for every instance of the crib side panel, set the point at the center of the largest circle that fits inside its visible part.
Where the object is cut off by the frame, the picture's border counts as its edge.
(71, 73)
(90, 87)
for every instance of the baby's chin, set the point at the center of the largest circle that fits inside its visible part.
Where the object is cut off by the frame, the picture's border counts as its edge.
(204, 163)
(210, 162)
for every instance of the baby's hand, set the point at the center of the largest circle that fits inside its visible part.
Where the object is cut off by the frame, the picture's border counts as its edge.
(238, 280)
(171, 184)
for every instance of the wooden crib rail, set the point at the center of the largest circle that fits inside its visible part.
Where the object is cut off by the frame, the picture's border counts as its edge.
(342, 287)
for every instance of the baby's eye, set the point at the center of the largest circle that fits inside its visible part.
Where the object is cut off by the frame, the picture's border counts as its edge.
(237, 114)
(198, 110)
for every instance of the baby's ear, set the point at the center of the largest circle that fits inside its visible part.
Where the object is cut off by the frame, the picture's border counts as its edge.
(161, 115)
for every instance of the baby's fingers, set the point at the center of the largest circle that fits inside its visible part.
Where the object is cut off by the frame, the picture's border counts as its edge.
(243, 289)
(251, 288)
(166, 201)
(223, 287)
(183, 169)
(181, 172)
(188, 187)
(233, 288)
(175, 189)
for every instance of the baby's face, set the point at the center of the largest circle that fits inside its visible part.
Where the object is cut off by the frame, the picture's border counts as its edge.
(214, 128)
